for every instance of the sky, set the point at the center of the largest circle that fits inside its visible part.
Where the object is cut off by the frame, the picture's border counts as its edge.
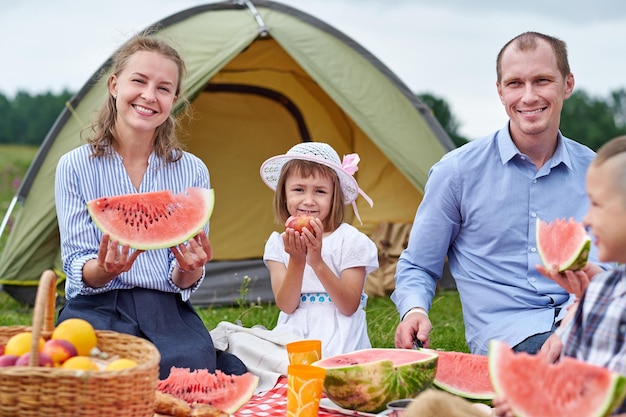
(446, 48)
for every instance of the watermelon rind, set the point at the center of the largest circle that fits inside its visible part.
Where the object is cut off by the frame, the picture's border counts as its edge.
(369, 386)
(533, 387)
(564, 243)
(464, 374)
(153, 220)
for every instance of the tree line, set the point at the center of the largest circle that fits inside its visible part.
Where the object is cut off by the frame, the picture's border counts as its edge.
(26, 119)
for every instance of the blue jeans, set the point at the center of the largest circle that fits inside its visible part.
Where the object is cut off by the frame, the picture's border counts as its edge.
(532, 344)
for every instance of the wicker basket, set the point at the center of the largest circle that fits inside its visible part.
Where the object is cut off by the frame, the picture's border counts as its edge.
(55, 392)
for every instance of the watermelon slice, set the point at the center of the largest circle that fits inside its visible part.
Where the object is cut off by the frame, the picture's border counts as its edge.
(154, 220)
(564, 243)
(535, 388)
(464, 374)
(367, 379)
(226, 392)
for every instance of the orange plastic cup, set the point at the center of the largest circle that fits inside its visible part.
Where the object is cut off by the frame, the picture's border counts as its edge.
(304, 352)
(304, 390)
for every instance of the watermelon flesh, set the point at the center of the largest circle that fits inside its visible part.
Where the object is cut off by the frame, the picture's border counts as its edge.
(465, 375)
(226, 392)
(366, 380)
(535, 388)
(154, 220)
(564, 243)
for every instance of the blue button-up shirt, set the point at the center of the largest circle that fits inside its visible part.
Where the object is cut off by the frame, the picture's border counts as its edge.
(480, 209)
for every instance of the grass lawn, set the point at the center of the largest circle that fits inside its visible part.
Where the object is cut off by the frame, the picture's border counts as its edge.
(448, 329)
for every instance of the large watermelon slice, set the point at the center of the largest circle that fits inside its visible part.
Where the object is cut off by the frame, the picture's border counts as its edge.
(226, 392)
(535, 388)
(153, 220)
(464, 374)
(366, 380)
(564, 243)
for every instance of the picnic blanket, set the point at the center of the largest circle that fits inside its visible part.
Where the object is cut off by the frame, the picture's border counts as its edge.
(263, 351)
(273, 403)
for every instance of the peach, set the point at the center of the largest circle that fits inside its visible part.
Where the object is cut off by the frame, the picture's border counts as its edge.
(298, 221)
(59, 350)
(8, 360)
(44, 360)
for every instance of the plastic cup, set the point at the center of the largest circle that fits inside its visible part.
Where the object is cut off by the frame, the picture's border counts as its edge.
(304, 390)
(304, 352)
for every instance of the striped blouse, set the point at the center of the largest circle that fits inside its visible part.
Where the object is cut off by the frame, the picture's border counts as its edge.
(81, 178)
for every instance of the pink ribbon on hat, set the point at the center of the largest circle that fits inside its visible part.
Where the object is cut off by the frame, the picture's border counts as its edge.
(350, 164)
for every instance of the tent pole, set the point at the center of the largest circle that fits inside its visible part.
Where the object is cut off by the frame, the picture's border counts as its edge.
(8, 214)
(263, 31)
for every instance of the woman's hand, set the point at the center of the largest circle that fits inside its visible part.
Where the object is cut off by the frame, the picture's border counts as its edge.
(191, 258)
(113, 259)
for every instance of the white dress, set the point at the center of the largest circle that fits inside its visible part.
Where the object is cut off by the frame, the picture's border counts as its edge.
(317, 317)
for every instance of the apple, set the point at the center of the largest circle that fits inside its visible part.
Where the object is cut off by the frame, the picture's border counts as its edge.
(8, 360)
(59, 350)
(1, 350)
(298, 221)
(44, 360)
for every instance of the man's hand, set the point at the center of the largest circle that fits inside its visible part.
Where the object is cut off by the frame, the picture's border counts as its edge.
(414, 324)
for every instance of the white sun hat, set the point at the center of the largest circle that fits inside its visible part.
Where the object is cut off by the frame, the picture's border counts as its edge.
(324, 154)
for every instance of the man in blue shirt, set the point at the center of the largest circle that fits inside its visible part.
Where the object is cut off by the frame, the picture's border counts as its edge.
(481, 204)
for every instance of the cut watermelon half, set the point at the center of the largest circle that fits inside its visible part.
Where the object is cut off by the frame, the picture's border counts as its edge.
(464, 374)
(564, 243)
(154, 220)
(534, 388)
(226, 392)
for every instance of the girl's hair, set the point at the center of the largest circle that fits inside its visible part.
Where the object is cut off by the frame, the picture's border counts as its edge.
(307, 169)
(166, 143)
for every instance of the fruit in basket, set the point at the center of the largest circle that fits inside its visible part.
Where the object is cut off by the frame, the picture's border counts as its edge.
(19, 343)
(153, 220)
(79, 333)
(80, 363)
(226, 392)
(534, 387)
(564, 243)
(44, 360)
(367, 379)
(59, 350)
(8, 360)
(299, 221)
(119, 364)
(464, 374)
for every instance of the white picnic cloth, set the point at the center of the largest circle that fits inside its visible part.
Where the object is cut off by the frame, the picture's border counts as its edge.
(263, 351)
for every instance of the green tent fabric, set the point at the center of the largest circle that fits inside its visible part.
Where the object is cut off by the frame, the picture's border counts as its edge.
(262, 76)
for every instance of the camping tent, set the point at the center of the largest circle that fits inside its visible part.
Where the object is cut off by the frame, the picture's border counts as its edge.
(262, 76)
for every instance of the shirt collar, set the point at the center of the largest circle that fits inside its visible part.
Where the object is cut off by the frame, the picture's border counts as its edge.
(508, 150)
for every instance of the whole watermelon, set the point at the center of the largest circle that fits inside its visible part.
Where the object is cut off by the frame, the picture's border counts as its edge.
(366, 380)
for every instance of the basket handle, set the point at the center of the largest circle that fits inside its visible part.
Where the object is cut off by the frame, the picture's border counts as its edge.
(43, 313)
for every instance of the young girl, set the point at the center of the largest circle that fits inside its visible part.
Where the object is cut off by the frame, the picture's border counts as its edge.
(318, 275)
(133, 149)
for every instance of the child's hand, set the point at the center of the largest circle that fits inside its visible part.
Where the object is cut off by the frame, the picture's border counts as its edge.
(551, 349)
(574, 282)
(501, 408)
(294, 243)
(313, 241)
